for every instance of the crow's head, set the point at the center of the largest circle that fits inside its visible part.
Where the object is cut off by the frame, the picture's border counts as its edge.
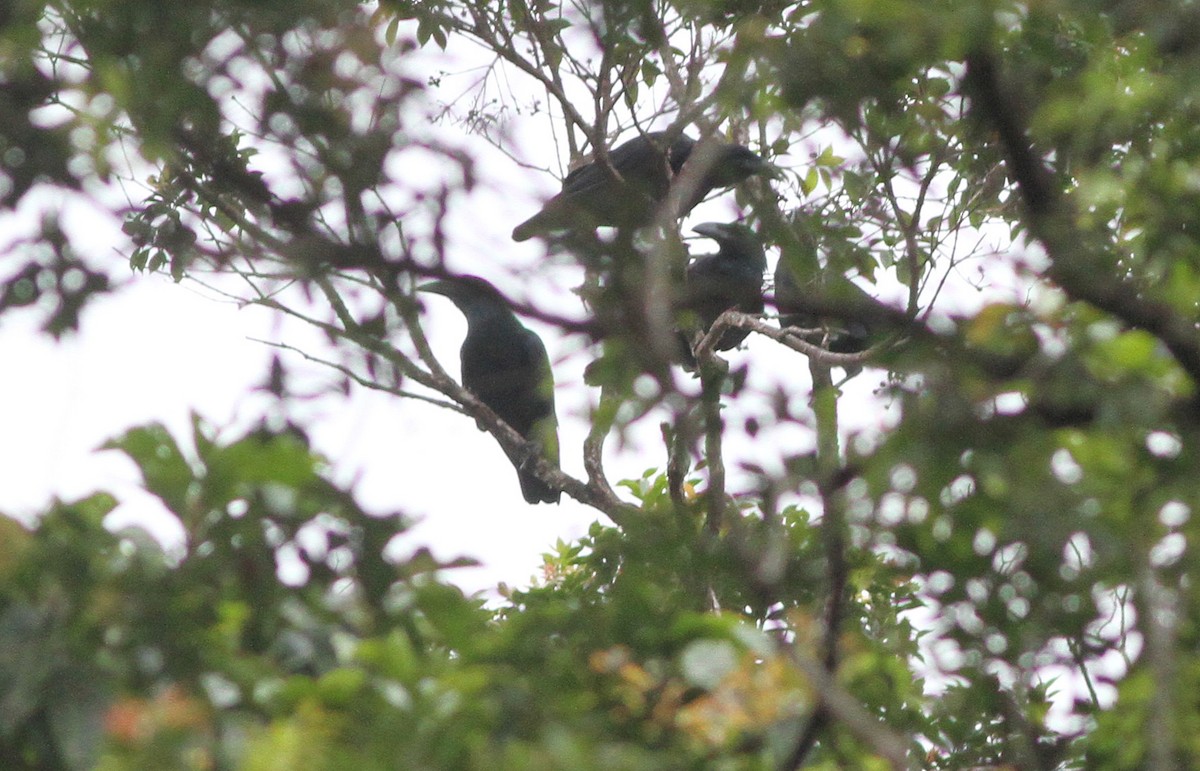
(737, 241)
(735, 163)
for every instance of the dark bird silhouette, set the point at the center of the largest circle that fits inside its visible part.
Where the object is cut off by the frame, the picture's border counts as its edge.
(591, 197)
(847, 335)
(505, 365)
(730, 278)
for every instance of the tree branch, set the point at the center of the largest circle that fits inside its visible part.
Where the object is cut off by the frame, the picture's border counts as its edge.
(711, 378)
(842, 705)
(790, 337)
(833, 536)
(363, 381)
(1075, 264)
(593, 448)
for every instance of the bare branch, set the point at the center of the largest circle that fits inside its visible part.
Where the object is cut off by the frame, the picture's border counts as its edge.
(363, 381)
(787, 336)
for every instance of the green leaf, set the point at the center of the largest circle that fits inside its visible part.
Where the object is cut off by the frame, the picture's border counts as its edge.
(828, 158)
(139, 258)
(808, 182)
(340, 686)
(259, 459)
(458, 619)
(165, 471)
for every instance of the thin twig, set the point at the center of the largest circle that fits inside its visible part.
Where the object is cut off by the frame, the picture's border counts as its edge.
(362, 380)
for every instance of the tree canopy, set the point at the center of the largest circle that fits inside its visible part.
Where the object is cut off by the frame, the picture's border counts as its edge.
(964, 545)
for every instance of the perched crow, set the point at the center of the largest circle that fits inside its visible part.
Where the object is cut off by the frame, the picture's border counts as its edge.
(839, 335)
(591, 197)
(506, 366)
(731, 278)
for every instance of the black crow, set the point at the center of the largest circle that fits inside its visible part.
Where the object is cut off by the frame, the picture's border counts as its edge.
(732, 278)
(591, 197)
(505, 365)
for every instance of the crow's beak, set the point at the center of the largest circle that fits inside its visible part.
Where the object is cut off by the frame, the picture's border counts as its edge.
(771, 171)
(444, 288)
(710, 229)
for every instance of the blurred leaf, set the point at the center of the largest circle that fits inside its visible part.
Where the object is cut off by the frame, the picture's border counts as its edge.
(166, 472)
(707, 662)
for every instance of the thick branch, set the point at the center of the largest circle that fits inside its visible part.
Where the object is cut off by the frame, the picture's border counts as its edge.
(593, 446)
(842, 705)
(1075, 264)
(833, 537)
(711, 377)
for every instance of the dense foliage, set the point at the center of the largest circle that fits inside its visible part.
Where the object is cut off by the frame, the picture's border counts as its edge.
(998, 577)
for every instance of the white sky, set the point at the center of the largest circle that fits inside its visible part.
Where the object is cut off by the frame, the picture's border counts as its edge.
(157, 351)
